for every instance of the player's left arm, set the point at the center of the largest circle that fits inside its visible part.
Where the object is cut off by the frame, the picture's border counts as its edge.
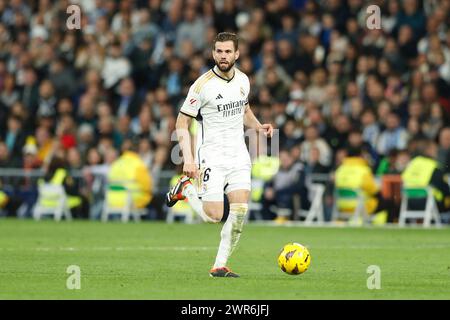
(250, 121)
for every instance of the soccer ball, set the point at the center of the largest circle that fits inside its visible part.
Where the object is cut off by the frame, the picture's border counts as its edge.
(294, 258)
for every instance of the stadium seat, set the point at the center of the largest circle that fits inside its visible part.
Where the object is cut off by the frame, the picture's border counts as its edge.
(52, 200)
(356, 200)
(119, 200)
(315, 212)
(428, 214)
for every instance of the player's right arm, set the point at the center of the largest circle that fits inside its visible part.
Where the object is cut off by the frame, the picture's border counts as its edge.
(184, 139)
(188, 111)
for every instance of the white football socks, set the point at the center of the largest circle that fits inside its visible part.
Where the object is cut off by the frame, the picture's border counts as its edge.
(231, 232)
(191, 194)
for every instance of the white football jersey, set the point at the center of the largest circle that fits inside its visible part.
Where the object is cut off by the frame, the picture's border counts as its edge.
(219, 105)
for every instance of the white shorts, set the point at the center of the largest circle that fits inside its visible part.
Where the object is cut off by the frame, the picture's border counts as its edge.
(214, 181)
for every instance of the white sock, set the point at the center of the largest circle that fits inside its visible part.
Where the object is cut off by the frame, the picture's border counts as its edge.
(191, 194)
(231, 232)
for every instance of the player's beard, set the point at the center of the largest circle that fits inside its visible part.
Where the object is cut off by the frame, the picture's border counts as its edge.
(225, 68)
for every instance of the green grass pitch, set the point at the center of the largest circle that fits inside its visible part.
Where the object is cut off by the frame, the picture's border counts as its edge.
(161, 261)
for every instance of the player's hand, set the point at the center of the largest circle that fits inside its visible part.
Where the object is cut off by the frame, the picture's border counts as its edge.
(191, 170)
(267, 130)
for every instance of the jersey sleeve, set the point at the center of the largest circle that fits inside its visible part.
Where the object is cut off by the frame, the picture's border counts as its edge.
(192, 104)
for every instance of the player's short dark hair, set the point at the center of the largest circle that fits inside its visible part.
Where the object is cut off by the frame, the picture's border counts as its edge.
(227, 36)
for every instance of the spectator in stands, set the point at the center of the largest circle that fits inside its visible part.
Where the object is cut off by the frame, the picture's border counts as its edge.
(337, 136)
(74, 160)
(355, 140)
(277, 89)
(30, 159)
(29, 94)
(62, 78)
(86, 110)
(416, 110)
(313, 165)
(414, 130)
(286, 53)
(394, 163)
(312, 139)
(413, 17)
(290, 134)
(371, 129)
(47, 100)
(95, 174)
(45, 143)
(279, 192)
(192, 29)
(91, 55)
(116, 66)
(387, 163)
(443, 156)
(105, 128)
(393, 137)
(127, 101)
(295, 108)
(315, 91)
(14, 139)
(269, 64)
(66, 132)
(85, 138)
(434, 122)
(9, 93)
(65, 105)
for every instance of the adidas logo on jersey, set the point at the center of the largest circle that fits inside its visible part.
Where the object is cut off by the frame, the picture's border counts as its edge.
(219, 97)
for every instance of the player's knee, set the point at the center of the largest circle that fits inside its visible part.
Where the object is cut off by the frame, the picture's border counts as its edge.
(213, 215)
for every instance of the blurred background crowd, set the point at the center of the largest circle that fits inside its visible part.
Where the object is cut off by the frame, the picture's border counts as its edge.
(317, 73)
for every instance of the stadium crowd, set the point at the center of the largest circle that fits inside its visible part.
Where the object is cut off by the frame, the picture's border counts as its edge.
(317, 73)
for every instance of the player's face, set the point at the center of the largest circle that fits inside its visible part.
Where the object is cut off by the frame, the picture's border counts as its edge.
(224, 55)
